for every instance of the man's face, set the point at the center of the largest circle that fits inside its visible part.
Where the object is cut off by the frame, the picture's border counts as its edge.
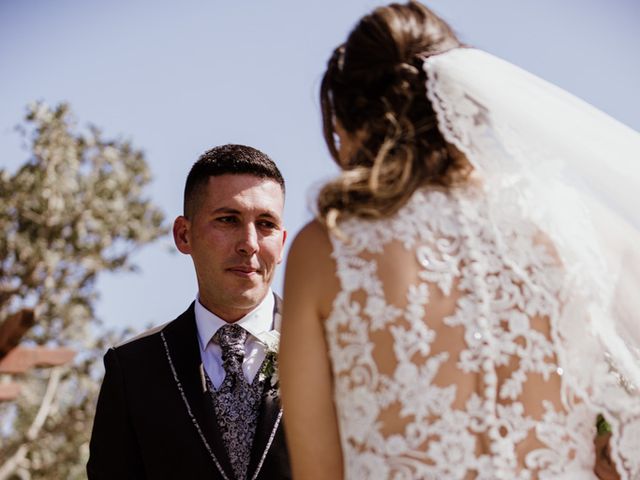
(235, 239)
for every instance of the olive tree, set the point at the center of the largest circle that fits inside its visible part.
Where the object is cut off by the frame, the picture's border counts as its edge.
(75, 208)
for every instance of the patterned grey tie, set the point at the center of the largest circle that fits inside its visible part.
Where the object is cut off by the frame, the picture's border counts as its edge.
(236, 401)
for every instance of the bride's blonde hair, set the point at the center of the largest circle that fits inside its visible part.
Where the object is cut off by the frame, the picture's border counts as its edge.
(374, 88)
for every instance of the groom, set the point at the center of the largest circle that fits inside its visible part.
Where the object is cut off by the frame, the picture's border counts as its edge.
(197, 398)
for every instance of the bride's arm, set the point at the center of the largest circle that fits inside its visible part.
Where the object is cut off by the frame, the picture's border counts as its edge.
(305, 372)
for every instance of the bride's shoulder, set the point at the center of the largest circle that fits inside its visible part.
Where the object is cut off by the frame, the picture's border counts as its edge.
(311, 244)
(313, 234)
(311, 269)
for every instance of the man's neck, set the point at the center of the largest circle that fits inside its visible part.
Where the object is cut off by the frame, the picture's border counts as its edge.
(232, 315)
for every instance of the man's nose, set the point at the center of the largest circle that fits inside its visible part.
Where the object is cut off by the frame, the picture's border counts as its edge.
(248, 241)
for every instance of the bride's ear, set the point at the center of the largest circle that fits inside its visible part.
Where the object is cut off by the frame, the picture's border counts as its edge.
(182, 234)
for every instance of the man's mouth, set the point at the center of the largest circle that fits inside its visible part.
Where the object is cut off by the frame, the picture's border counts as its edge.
(243, 271)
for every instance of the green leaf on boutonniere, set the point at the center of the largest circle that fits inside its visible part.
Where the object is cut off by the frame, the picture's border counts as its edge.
(602, 425)
(269, 368)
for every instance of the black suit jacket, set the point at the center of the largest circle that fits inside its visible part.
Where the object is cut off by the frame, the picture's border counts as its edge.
(154, 420)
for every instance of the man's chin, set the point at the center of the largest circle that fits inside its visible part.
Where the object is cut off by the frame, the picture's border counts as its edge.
(248, 300)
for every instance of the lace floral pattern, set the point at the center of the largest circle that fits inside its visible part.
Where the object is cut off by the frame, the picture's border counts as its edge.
(472, 387)
(540, 152)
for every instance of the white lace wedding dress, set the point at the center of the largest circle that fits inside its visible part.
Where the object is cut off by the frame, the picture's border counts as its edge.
(444, 348)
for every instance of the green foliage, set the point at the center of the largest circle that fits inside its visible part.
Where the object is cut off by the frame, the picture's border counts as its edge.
(76, 208)
(602, 425)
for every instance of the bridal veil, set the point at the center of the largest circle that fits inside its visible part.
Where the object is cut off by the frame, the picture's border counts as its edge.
(575, 173)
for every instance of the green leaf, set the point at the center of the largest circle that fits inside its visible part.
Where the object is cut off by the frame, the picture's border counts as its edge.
(602, 425)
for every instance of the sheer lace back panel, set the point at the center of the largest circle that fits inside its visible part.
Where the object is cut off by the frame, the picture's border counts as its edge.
(443, 350)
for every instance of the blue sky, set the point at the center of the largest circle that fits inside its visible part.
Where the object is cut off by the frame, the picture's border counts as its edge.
(179, 77)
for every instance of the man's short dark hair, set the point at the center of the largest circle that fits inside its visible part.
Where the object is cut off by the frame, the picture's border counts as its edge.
(222, 160)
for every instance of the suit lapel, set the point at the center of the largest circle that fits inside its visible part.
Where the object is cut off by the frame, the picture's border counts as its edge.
(268, 422)
(277, 312)
(183, 353)
(270, 413)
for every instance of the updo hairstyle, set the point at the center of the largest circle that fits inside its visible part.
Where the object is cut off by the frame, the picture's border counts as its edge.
(374, 89)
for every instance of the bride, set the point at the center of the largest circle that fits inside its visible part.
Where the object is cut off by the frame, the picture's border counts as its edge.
(464, 306)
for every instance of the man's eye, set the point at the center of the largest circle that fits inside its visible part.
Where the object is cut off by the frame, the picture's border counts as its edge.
(267, 224)
(226, 219)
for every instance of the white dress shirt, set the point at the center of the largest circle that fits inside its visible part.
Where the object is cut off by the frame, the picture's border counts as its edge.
(259, 320)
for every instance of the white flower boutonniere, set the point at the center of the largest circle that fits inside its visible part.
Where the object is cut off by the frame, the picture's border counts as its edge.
(269, 369)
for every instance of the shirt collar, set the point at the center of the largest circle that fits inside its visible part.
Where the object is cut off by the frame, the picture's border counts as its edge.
(258, 320)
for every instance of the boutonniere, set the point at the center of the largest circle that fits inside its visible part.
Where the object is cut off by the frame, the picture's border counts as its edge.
(269, 369)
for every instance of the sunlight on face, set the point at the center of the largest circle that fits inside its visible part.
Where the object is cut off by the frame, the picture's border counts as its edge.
(236, 240)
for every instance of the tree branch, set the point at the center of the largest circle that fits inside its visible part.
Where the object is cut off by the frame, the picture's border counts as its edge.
(10, 466)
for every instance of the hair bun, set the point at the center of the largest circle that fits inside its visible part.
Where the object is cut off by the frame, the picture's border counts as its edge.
(375, 84)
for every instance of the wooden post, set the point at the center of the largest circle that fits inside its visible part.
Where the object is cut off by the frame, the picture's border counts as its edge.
(13, 329)
(18, 359)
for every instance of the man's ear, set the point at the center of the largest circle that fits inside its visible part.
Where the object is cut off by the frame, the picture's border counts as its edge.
(182, 234)
(284, 238)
